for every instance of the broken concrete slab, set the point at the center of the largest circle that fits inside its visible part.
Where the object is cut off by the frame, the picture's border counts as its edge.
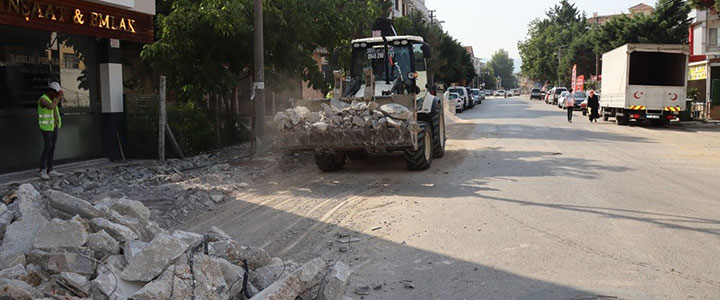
(102, 242)
(396, 111)
(132, 248)
(109, 284)
(209, 280)
(152, 260)
(335, 282)
(117, 231)
(189, 238)
(126, 207)
(267, 275)
(76, 283)
(297, 282)
(174, 283)
(233, 275)
(70, 262)
(218, 234)
(6, 217)
(13, 272)
(71, 205)
(59, 233)
(18, 290)
(255, 257)
(20, 235)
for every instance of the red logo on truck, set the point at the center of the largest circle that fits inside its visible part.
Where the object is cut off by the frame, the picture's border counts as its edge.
(673, 96)
(636, 95)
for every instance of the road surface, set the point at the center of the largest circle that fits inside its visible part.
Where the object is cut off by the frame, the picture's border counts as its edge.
(523, 206)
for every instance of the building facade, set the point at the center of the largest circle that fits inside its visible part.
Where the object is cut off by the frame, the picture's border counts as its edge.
(704, 68)
(403, 8)
(78, 44)
(641, 8)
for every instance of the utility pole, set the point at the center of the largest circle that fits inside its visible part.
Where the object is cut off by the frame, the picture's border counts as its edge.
(259, 84)
(432, 16)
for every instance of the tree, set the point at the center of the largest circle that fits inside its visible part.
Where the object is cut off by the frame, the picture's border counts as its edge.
(503, 66)
(705, 4)
(450, 61)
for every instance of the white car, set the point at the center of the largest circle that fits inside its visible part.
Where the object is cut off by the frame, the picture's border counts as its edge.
(510, 93)
(464, 94)
(561, 99)
(458, 101)
(500, 93)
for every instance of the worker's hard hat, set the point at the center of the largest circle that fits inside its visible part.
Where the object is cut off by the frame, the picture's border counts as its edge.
(55, 86)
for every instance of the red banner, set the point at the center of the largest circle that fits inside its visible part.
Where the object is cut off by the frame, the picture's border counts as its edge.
(580, 83)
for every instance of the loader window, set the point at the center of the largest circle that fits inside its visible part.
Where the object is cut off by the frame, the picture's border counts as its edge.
(374, 57)
(659, 69)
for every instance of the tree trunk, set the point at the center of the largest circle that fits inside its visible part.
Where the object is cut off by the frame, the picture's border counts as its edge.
(215, 103)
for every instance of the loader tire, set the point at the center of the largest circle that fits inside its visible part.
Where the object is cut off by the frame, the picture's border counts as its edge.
(438, 126)
(358, 155)
(421, 158)
(330, 162)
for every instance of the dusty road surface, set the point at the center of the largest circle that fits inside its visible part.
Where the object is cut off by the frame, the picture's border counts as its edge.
(523, 206)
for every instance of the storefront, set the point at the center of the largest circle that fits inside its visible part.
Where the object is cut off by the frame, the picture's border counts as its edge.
(78, 44)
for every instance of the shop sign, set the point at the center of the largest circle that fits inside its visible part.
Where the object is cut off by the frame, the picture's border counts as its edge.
(698, 72)
(73, 16)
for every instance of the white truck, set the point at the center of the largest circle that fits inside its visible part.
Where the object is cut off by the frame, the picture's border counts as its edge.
(644, 82)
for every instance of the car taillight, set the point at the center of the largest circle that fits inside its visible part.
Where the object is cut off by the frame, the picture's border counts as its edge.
(635, 116)
(670, 117)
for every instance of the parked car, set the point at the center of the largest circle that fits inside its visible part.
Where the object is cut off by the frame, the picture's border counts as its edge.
(488, 93)
(510, 93)
(516, 92)
(535, 94)
(555, 92)
(473, 100)
(561, 99)
(500, 93)
(459, 102)
(464, 94)
(548, 97)
(478, 95)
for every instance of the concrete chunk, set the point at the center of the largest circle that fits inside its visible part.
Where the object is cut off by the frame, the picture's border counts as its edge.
(18, 290)
(335, 282)
(174, 283)
(20, 235)
(233, 275)
(6, 217)
(210, 282)
(126, 207)
(13, 272)
(152, 260)
(117, 231)
(58, 233)
(267, 275)
(299, 281)
(132, 248)
(396, 111)
(70, 262)
(255, 257)
(76, 283)
(102, 242)
(72, 205)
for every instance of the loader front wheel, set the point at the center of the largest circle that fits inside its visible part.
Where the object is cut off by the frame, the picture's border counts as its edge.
(330, 162)
(438, 119)
(421, 158)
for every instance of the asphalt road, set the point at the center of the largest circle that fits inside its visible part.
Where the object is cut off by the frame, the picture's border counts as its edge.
(523, 206)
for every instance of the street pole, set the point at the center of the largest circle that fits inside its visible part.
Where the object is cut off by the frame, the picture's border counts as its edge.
(259, 84)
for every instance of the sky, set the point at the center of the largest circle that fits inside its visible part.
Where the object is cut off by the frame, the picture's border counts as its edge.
(489, 25)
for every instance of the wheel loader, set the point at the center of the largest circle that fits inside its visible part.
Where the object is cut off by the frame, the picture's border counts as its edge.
(385, 71)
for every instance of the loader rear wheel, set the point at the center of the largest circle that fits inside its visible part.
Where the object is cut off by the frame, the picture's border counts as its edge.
(330, 162)
(421, 158)
(358, 155)
(438, 126)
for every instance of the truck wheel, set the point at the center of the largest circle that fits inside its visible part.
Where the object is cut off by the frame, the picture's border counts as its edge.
(622, 120)
(421, 158)
(358, 155)
(329, 162)
(438, 120)
(606, 117)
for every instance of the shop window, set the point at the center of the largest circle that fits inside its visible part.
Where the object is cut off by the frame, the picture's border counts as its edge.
(30, 59)
(713, 37)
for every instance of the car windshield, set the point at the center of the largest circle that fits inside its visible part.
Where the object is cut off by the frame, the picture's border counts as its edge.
(563, 94)
(535, 90)
(579, 95)
(476, 92)
(458, 91)
(560, 91)
(374, 57)
(454, 96)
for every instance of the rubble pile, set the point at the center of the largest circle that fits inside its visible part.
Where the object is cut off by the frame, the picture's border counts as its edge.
(176, 190)
(57, 246)
(340, 115)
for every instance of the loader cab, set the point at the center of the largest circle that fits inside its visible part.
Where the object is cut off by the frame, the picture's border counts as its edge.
(398, 64)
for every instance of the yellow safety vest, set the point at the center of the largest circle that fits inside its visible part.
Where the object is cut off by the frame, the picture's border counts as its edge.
(46, 117)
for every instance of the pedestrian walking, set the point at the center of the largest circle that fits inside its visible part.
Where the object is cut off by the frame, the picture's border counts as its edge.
(594, 105)
(50, 122)
(569, 104)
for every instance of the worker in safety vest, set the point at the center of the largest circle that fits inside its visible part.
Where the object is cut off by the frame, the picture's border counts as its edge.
(50, 123)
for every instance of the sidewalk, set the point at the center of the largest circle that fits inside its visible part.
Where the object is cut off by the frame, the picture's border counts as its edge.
(32, 175)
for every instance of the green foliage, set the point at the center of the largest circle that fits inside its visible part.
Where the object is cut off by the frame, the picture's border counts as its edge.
(205, 46)
(191, 126)
(705, 4)
(564, 38)
(488, 77)
(450, 62)
(503, 66)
